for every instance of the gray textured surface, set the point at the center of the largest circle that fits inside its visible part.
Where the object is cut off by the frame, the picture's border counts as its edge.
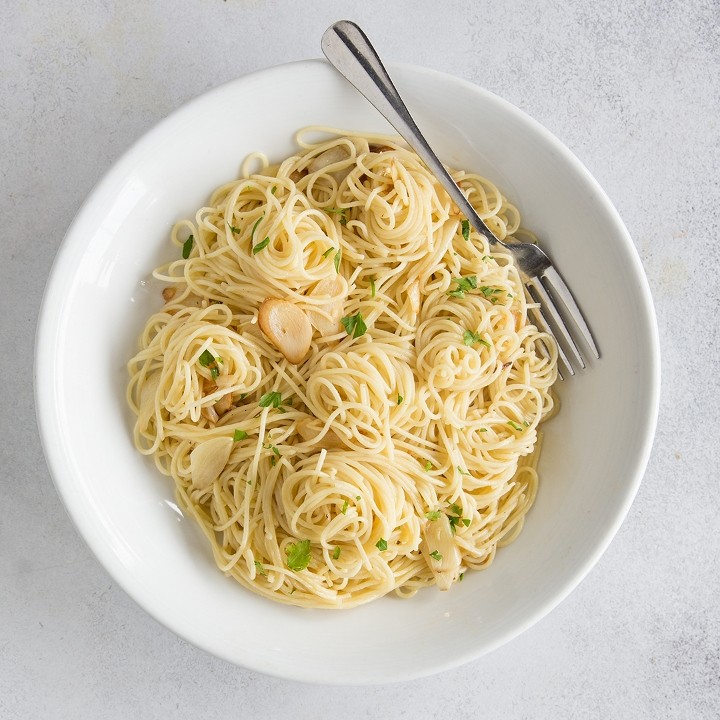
(633, 89)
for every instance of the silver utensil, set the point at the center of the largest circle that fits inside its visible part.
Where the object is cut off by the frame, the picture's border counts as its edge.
(348, 49)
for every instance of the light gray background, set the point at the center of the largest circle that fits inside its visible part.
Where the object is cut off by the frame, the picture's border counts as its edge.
(633, 88)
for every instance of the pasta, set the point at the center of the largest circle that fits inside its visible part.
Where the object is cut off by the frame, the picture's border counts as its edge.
(344, 382)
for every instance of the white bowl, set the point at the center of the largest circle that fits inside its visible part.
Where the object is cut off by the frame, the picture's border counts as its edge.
(95, 305)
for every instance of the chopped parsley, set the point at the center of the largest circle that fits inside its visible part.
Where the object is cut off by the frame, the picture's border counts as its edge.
(514, 425)
(433, 515)
(273, 190)
(466, 229)
(345, 506)
(273, 399)
(261, 245)
(489, 292)
(455, 517)
(254, 227)
(336, 552)
(461, 576)
(298, 555)
(400, 398)
(342, 212)
(329, 251)
(187, 247)
(436, 555)
(208, 360)
(270, 446)
(428, 466)
(260, 569)
(357, 497)
(381, 544)
(464, 284)
(354, 325)
(239, 435)
(336, 260)
(470, 338)
(234, 230)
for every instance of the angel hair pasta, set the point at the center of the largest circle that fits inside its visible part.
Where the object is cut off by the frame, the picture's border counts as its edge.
(344, 383)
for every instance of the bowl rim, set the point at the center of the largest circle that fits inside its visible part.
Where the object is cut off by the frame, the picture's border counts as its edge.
(47, 337)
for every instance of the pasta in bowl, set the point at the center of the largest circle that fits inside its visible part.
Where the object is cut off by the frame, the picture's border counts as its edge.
(344, 382)
(101, 296)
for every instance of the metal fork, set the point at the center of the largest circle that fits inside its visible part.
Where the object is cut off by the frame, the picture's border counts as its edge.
(348, 49)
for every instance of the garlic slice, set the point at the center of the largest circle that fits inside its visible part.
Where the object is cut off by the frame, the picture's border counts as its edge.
(207, 461)
(287, 327)
(445, 558)
(335, 154)
(326, 318)
(413, 293)
(147, 398)
(309, 428)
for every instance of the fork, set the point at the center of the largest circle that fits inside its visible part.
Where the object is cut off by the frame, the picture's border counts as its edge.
(348, 49)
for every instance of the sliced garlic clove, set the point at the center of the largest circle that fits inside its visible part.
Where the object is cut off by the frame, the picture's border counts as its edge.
(223, 404)
(207, 461)
(287, 327)
(440, 551)
(209, 413)
(148, 394)
(326, 318)
(335, 154)
(413, 293)
(309, 428)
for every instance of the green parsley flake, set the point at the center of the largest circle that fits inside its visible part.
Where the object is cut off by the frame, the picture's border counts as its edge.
(261, 245)
(239, 435)
(464, 284)
(260, 569)
(354, 325)
(336, 552)
(234, 230)
(273, 190)
(436, 555)
(381, 544)
(329, 251)
(470, 338)
(466, 229)
(273, 399)
(336, 260)
(298, 555)
(433, 515)
(270, 446)
(357, 497)
(514, 425)
(345, 506)
(460, 578)
(400, 398)
(208, 360)
(489, 292)
(254, 227)
(428, 466)
(187, 247)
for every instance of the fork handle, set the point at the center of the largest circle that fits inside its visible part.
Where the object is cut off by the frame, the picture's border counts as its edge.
(348, 49)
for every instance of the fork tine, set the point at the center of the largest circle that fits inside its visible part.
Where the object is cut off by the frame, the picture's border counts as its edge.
(557, 285)
(543, 324)
(561, 331)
